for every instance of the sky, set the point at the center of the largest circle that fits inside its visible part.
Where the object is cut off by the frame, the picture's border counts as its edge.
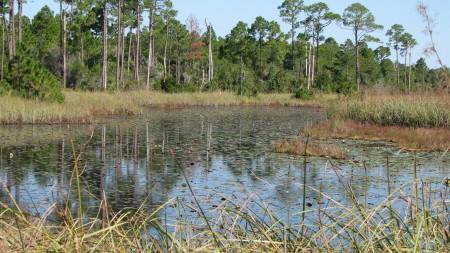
(225, 14)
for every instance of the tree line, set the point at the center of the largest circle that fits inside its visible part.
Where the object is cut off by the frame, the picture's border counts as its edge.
(112, 45)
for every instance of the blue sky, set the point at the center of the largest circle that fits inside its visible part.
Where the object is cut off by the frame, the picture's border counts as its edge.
(224, 15)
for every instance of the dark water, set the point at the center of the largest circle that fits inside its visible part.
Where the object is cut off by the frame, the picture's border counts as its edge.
(225, 152)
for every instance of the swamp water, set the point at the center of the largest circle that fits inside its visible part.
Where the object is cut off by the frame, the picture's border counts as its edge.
(226, 154)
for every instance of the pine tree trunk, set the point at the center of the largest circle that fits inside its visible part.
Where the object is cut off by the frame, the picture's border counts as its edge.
(105, 46)
(138, 44)
(406, 69)
(165, 50)
(12, 31)
(178, 74)
(409, 74)
(397, 68)
(210, 56)
(3, 45)
(119, 43)
(63, 42)
(293, 45)
(308, 67)
(150, 43)
(358, 80)
(312, 66)
(122, 62)
(20, 7)
(130, 49)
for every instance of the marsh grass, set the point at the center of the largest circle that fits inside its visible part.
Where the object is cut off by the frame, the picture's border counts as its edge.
(427, 139)
(313, 148)
(15, 110)
(425, 111)
(222, 98)
(414, 122)
(82, 107)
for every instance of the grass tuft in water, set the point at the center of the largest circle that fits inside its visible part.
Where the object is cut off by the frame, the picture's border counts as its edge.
(312, 148)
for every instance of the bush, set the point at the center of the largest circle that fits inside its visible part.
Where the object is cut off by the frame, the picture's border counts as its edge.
(303, 93)
(30, 79)
(171, 85)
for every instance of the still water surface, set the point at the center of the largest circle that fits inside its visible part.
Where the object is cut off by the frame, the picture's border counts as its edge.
(226, 152)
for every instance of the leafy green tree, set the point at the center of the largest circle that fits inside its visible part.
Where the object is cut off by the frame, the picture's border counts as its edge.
(408, 43)
(289, 12)
(370, 68)
(321, 17)
(421, 69)
(167, 14)
(395, 35)
(382, 53)
(259, 30)
(361, 21)
(30, 79)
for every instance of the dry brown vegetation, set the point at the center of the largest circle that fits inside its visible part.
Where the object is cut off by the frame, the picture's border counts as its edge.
(414, 121)
(430, 139)
(81, 107)
(297, 147)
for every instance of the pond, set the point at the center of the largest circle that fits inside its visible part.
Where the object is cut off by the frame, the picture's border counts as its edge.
(224, 152)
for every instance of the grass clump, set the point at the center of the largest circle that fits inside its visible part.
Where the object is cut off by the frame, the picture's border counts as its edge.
(415, 122)
(400, 110)
(299, 147)
(15, 110)
(429, 139)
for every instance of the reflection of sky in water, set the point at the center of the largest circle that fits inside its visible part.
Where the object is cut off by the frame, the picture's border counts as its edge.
(124, 158)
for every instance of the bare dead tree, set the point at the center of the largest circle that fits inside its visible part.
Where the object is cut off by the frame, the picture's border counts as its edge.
(431, 48)
(210, 54)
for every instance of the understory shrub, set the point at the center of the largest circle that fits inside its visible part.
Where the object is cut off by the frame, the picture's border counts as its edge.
(303, 93)
(28, 78)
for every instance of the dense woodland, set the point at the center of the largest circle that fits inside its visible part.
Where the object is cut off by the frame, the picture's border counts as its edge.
(98, 45)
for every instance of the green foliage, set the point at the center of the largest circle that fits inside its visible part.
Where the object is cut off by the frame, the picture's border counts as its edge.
(303, 93)
(171, 85)
(252, 58)
(30, 79)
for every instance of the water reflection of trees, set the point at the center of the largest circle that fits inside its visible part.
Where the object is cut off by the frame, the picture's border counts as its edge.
(129, 161)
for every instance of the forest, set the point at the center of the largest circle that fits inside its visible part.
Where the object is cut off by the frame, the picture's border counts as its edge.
(97, 45)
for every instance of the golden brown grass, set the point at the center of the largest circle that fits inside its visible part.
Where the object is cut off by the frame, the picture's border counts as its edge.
(297, 147)
(81, 107)
(430, 139)
(221, 98)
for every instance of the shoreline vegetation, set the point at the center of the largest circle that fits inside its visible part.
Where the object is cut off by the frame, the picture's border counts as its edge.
(309, 148)
(413, 122)
(82, 107)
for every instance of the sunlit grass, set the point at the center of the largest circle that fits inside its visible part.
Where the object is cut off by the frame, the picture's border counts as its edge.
(395, 110)
(221, 98)
(415, 121)
(15, 110)
(430, 139)
(81, 107)
(312, 148)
